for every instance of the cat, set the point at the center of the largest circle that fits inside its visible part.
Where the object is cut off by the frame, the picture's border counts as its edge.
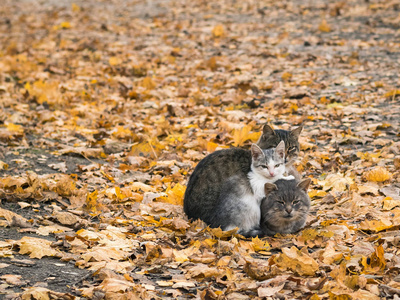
(204, 186)
(273, 137)
(240, 198)
(285, 206)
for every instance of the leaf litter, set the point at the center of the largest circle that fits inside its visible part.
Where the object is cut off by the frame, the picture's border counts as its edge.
(107, 108)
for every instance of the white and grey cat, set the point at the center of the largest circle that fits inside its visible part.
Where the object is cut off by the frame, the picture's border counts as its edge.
(239, 202)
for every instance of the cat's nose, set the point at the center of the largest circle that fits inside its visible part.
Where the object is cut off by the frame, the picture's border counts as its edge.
(289, 210)
(271, 173)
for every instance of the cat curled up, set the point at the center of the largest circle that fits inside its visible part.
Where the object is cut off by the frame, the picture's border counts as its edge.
(285, 206)
(217, 172)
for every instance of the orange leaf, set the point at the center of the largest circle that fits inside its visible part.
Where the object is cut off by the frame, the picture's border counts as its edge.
(375, 262)
(218, 31)
(324, 26)
(113, 61)
(242, 135)
(378, 174)
(175, 194)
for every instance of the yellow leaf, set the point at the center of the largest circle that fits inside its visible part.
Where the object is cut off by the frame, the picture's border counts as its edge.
(45, 91)
(75, 7)
(210, 147)
(35, 247)
(113, 61)
(175, 194)
(324, 26)
(65, 25)
(316, 193)
(378, 174)
(180, 256)
(260, 245)
(149, 148)
(218, 31)
(286, 76)
(243, 134)
(91, 202)
(14, 128)
(392, 93)
(297, 261)
(376, 225)
(375, 263)
(220, 234)
(148, 83)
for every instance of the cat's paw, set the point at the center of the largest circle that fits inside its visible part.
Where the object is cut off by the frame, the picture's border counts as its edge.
(256, 231)
(290, 177)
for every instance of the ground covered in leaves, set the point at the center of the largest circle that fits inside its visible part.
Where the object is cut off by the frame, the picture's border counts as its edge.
(107, 106)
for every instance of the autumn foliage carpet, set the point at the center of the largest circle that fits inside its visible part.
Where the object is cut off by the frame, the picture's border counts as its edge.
(106, 107)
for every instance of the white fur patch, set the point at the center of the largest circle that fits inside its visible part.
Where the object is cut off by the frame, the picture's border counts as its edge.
(253, 215)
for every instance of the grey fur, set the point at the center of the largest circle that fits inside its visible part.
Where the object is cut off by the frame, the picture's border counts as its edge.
(280, 211)
(222, 170)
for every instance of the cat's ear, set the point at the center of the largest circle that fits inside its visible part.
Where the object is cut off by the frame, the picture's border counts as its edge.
(296, 132)
(269, 187)
(268, 131)
(256, 152)
(304, 184)
(280, 149)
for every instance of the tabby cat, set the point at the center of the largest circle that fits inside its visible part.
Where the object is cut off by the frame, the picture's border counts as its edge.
(240, 198)
(285, 206)
(205, 184)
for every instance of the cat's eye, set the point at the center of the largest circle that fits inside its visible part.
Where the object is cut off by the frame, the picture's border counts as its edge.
(277, 165)
(264, 166)
(281, 202)
(296, 201)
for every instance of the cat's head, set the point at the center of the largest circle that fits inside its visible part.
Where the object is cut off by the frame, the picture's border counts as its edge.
(269, 163)
(270, 138)
(286, 201)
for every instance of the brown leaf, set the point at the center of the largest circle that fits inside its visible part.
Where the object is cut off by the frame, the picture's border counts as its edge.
(35, 247)
(297, 261)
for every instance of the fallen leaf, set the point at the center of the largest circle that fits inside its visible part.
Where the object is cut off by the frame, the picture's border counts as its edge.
(35, 247)
(378, 174)
(324, 26)
(375, 263)
(218, 31)
(297, 261)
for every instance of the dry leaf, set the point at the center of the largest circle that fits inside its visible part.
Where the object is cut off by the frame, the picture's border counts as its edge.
(35, 247)
(218, 31)
(297, 261)
(324, 26)
(378, 174)
(243, 134)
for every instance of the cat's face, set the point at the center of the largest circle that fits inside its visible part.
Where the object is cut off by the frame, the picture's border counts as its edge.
(270, 138)
(269, 163)
(286, 202)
